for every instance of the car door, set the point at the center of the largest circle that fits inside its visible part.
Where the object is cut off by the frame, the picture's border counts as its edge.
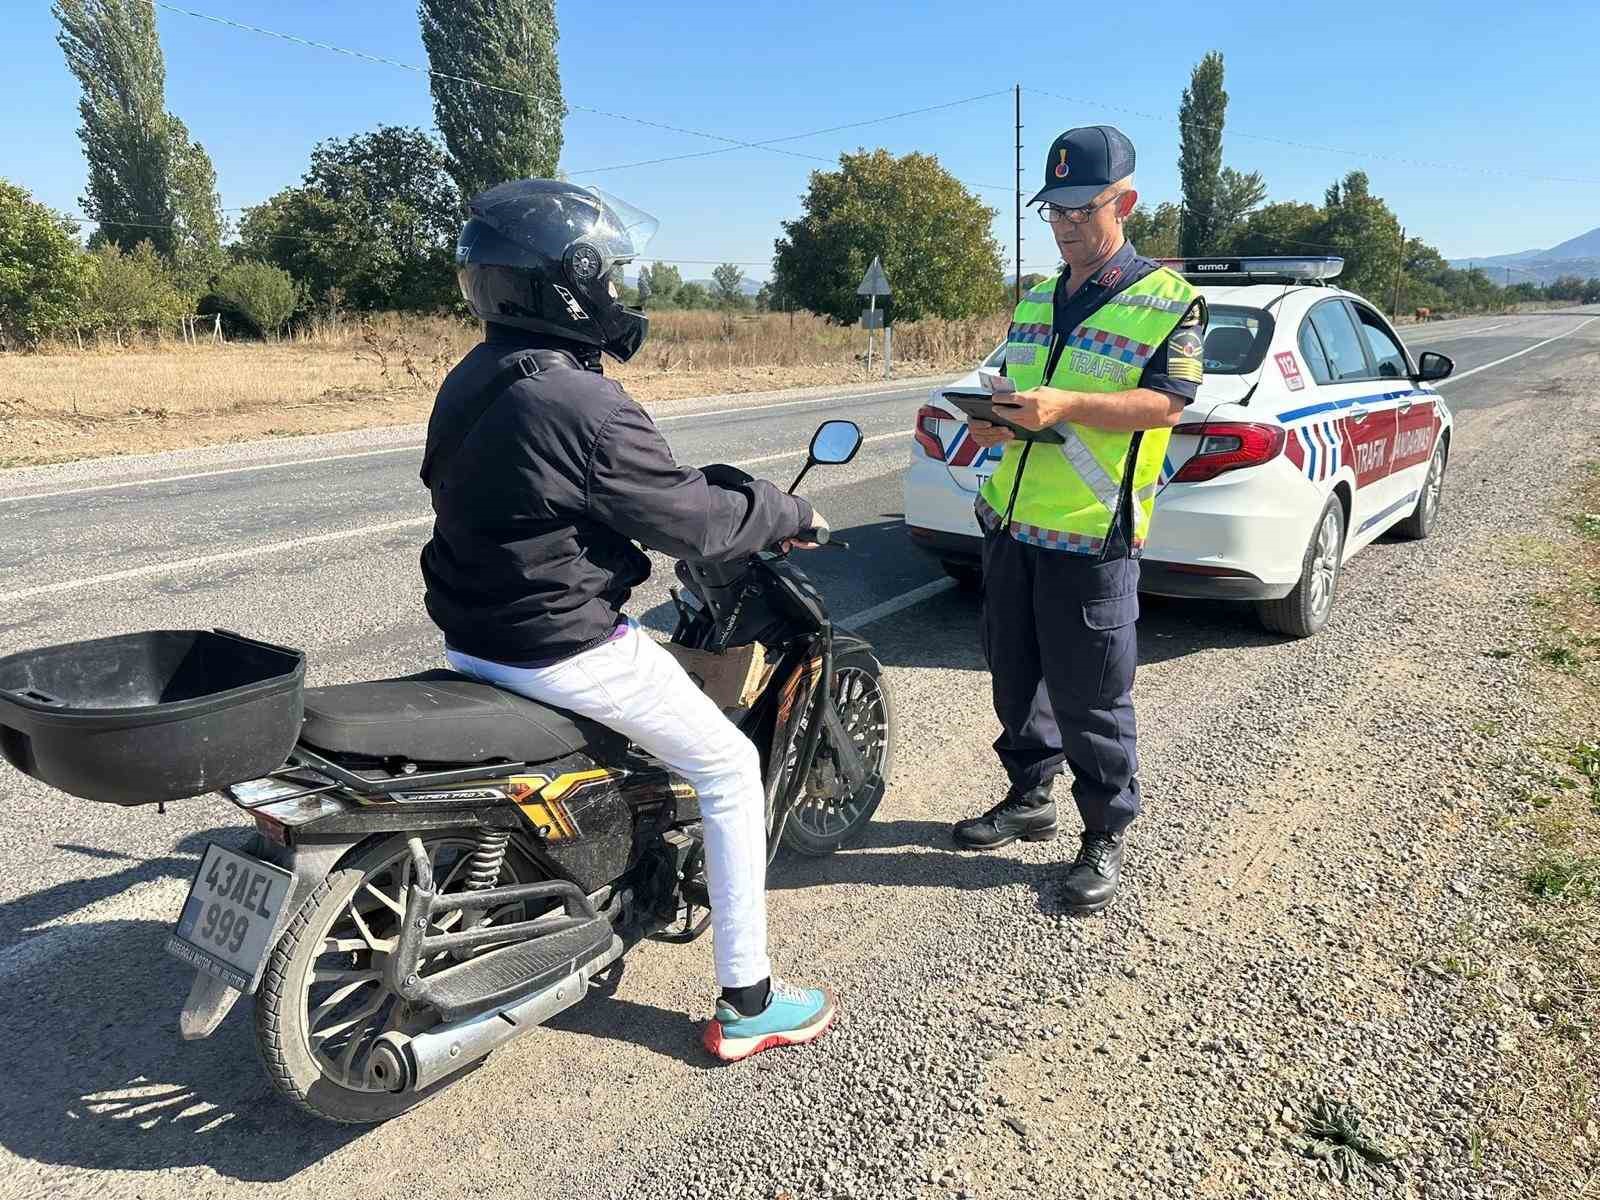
(1416, 412)
(1358, 430)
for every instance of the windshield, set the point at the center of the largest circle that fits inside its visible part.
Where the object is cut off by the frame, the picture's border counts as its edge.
(1236, 339)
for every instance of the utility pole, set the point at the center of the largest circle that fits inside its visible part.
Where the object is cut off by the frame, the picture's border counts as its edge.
(1016, 286)
(1399, 266)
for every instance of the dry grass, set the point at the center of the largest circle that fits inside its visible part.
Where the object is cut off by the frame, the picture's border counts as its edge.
(65, 403)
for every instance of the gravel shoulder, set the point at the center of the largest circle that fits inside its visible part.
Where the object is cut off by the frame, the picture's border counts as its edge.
(1327, 838)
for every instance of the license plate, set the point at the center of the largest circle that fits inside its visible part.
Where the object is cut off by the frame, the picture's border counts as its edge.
(229, 918)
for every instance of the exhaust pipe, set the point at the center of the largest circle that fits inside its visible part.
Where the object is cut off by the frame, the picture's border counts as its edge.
(412, 1064)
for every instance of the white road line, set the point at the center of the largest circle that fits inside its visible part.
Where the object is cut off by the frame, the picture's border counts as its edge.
(897, 603)
(207, 560)
(410, 447)
(1518, 354)
(271, 466)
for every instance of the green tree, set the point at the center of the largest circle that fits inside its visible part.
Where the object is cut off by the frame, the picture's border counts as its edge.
(931, 233)
(665, 283)
(1153, 233)
(1287, 227)
(1201, 115)
(376, 217)
(729, 281)
(1238, 195)
(694, 295)
(642, 288)
(513, 131)
(148, 180)
(132, 290)
(44, 275)
(261, 294)
(1359, 226)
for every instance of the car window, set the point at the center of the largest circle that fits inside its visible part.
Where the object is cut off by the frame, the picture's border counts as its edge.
(1340, 342)
(1311, 351)
(1386, 352)
(1236, 339)
(998, 357)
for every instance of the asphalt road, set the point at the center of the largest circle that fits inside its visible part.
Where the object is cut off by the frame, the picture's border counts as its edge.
(313, 542)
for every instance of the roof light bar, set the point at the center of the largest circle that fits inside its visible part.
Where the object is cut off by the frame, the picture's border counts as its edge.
(1262, 269)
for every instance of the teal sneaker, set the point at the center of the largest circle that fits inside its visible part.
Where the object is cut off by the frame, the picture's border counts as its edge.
(792, 1017)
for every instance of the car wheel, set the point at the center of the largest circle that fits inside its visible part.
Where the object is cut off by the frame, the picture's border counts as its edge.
(968, 576)
(1305, 610)
(1422, 519)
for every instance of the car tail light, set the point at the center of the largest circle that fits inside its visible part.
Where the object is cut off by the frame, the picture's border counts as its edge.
(1227, 446)
(927, 431)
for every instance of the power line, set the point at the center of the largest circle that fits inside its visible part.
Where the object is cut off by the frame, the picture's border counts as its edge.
(1261, 137)
(794, 137)
(562, 108)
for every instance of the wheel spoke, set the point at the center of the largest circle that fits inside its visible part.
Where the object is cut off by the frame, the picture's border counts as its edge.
(383, 898)
(354, 1019)
(339, 996)
(373, 943)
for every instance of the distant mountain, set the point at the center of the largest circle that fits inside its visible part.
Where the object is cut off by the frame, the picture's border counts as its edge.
(1575, 256)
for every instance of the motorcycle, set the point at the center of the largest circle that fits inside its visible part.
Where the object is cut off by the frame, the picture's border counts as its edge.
(440, 866)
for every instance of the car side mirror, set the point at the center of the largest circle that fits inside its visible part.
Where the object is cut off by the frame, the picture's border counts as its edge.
(1433, 365)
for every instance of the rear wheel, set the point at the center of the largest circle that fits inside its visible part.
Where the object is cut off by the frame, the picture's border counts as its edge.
(1422, 519)
(1305, 610)
(828, 814)
(968, 576)
(323, 1003)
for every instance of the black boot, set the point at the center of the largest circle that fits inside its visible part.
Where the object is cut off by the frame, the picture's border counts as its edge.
(1029, 815)
(1096, 873)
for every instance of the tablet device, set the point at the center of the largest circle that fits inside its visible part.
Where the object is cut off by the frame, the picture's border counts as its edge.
(981, 404)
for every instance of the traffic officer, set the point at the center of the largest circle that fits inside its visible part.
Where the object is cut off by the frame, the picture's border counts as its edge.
(1106, 354)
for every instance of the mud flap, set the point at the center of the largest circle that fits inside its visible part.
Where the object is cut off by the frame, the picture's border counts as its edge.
(210, 1000)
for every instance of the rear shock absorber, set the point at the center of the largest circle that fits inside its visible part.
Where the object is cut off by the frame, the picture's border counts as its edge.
(483, 868)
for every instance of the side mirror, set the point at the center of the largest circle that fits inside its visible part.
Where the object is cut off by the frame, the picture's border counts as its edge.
(835, 442)
(1433, 365)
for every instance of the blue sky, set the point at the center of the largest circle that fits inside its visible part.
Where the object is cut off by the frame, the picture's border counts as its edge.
(1482, 86)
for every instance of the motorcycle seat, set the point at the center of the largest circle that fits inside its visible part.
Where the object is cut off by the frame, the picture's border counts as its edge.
(443, 717)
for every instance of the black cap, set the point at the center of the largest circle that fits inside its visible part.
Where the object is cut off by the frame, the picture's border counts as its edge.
(1083, 163)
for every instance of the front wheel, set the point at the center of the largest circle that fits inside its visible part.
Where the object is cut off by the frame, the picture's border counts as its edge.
(827, 814)
(1306, 610)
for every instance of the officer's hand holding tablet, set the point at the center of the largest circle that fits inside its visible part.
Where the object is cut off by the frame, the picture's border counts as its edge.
(992, 418)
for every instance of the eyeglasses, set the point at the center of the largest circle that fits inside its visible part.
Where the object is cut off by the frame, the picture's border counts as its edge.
(1052, 213)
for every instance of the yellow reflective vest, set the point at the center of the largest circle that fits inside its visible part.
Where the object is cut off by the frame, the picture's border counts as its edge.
(1069, 494)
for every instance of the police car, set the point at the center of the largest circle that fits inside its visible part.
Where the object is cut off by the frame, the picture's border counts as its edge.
(1314, 433)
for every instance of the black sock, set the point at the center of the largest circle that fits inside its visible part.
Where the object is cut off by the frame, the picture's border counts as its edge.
(748, 1001)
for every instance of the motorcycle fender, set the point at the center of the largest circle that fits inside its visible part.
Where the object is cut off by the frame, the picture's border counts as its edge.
(210, 1000)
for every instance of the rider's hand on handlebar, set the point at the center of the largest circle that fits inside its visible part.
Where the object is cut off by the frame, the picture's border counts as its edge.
(810, 539)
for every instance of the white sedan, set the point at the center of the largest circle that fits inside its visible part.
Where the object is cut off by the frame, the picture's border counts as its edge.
(1313, 434)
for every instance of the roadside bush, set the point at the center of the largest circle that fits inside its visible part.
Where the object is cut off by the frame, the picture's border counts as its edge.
(132, 291)
(254, 298)
(43, 272)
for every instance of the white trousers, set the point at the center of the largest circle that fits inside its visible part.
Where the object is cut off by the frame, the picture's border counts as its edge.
(634, 686)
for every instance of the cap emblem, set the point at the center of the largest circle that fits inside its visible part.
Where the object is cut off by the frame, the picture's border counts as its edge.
(1061, 167)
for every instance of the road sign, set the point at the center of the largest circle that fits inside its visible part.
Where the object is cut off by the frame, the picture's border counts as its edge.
(875, 282)
(872, 318)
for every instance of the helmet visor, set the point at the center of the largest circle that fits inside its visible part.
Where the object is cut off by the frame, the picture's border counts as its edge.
(623, 231)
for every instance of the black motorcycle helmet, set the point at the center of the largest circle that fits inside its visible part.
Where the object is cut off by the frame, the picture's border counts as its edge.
(546, 255)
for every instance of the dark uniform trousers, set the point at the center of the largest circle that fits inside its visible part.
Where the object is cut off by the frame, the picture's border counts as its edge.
(1059, 637)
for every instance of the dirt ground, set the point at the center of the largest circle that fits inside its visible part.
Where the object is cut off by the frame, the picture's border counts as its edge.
(54, 408)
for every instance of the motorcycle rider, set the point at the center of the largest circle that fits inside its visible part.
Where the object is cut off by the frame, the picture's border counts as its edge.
(543, 475)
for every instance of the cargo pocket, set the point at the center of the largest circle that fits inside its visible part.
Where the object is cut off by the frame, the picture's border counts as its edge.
(1113, 612)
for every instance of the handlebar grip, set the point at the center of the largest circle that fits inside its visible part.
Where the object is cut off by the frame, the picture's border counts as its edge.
(816, 536)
